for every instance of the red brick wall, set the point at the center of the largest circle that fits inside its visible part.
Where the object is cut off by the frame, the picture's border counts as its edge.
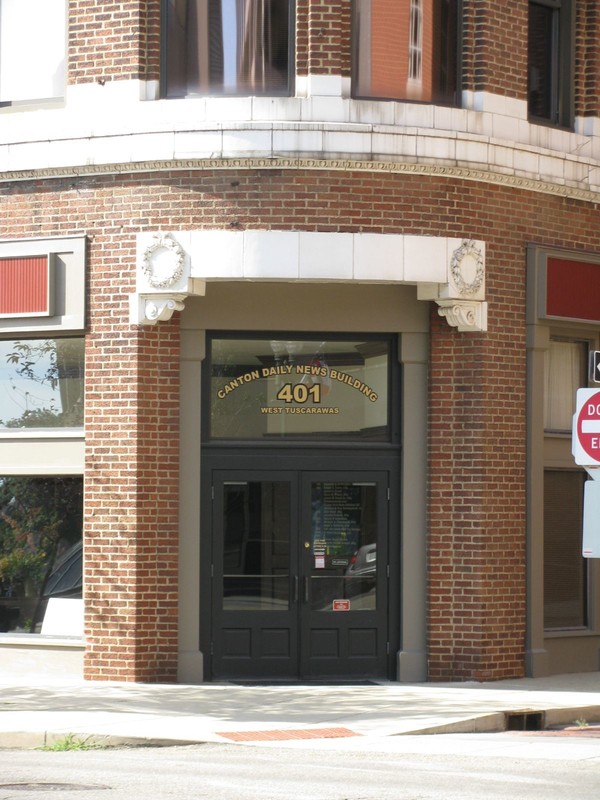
(587, 61)
(495, 47)
(328, 39)
(131, 492)
(476, 533)
(113, 40)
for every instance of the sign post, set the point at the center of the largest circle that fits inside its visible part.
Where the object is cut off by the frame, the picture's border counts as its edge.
(595, 366)
(586, 451)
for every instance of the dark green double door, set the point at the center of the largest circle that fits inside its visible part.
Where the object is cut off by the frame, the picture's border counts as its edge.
(299, 574)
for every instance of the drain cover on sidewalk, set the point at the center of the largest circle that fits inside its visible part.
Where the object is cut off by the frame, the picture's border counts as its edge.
(282, 735)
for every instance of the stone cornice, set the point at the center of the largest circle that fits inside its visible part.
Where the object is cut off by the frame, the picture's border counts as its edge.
(510, 180)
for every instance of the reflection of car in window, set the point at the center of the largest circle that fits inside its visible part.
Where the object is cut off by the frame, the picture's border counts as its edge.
(363, 563)
(361, 577)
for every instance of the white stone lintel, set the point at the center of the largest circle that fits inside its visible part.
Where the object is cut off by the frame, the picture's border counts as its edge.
(173, 265)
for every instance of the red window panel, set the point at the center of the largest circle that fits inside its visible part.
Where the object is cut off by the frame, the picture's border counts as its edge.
(573, 289)
(24, 286)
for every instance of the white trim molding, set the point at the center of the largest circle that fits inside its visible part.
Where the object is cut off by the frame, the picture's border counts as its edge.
(173, 265)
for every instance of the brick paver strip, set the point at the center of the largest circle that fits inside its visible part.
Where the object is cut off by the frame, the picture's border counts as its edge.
(280, 735)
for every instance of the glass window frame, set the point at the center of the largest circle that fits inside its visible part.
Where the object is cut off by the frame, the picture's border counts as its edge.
(583, 343)
(454, 102)
(393, 391)
(558, 459)
(40, 68)
(47, 431)
(583, 565)
(76, 592)
(562, 57)
(287, 92)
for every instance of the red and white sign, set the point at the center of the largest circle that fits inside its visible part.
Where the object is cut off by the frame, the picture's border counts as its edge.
(586, 428)
(341, 605)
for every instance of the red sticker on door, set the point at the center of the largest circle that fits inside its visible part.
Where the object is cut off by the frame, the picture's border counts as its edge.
(341, 605)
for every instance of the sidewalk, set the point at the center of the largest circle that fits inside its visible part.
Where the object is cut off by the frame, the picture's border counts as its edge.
(32, 715)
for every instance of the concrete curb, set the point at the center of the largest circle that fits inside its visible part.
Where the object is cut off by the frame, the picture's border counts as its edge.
(533, 719)
(36, 740)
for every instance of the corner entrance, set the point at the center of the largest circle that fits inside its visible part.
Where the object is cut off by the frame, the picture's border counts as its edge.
(299, 550)
(300, 574)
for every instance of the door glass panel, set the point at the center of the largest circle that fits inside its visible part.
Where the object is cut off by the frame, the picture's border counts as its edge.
(343, 546)
(256, 552)
(270, 389)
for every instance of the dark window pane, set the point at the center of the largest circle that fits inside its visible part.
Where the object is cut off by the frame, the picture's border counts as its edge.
(227, 47)
(406, 49)
(40, 547)
(256, 546)
(343, 546)
(550, 61)
(565, 590)
(542, 58)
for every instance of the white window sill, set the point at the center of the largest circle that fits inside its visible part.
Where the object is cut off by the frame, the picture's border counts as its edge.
(38, 640)
(42, 433)
(569, 633)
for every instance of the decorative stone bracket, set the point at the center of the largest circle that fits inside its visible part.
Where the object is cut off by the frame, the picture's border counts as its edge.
(461, 299)
(448, 271)
(163, 281)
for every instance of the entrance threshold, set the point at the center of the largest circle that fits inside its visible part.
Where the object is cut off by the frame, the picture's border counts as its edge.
(307, 683)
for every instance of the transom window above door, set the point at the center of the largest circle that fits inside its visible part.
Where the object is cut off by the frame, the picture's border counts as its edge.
(228, 47)
(299, 389)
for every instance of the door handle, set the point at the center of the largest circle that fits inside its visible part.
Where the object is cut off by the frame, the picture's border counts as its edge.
(295, 588)
(306, 590)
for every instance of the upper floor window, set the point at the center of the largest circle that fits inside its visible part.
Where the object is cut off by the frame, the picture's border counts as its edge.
(228, 47)
(550, 53)
(406, 50)
(32, 49)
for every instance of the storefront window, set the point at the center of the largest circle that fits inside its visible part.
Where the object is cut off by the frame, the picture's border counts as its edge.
(299, 389)
(41, 383)
(564, 370)
(40, 547)
(565, 570)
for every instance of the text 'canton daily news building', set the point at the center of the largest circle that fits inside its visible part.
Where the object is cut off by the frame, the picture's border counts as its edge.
(295, 298)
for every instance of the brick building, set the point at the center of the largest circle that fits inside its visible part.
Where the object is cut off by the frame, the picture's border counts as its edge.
(294, 301)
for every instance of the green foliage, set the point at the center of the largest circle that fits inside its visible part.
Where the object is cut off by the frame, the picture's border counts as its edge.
(53, 363)
(39, 519)
(28, 356)
(71, 742)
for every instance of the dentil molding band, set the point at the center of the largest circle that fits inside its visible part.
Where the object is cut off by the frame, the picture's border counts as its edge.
(510, 179)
